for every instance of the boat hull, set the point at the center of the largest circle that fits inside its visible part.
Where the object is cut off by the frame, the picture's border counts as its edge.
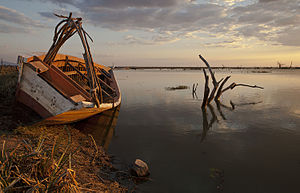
(54, 96)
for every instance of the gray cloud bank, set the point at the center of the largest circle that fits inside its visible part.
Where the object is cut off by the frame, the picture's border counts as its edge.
(272, 21)
(12, 21)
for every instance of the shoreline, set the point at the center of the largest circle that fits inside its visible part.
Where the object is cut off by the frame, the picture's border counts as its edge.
(200, 68)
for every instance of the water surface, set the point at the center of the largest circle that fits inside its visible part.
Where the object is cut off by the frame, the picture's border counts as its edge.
(256, 144)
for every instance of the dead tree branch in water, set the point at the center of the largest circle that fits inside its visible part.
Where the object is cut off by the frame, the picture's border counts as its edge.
(233, 85)
(209, 96)
(214, 81)
(219, 92)
(206, 90)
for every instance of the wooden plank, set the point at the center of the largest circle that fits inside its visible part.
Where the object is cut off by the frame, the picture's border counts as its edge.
(72, 116)
(43, 93)
(62, 57)
(77, 98)
(63, 83)
(75, 72)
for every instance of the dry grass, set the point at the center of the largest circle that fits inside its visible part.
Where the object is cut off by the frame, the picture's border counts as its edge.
(8, 81)
(12, 114)
(59, 160)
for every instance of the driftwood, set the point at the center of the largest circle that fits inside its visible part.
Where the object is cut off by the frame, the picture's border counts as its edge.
(218, 90)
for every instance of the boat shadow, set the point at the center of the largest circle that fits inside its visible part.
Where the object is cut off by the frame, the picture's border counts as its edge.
(101, 126)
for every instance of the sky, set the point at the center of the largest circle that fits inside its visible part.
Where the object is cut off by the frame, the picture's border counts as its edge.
(159, 32)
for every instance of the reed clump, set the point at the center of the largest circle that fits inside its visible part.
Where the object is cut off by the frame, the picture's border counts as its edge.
(180, 87)
(56, 161)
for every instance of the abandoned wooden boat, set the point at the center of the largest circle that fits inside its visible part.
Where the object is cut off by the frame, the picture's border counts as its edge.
(65, 89)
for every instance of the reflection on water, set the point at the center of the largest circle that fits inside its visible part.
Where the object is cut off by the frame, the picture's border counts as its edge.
(253, 135)
(214, 117)
(101, 126)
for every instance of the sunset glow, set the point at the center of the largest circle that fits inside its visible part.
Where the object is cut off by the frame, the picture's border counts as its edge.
(160, 32)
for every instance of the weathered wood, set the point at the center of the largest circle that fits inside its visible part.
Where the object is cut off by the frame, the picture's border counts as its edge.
(219, 92)
(214, 81)
(212, 94)
(103, 73)
(233, 85)
(47, 85)
(43, 93)
(210, 70)
(103, 82)
(78, 71)
(69, 28)
(72, 116)
(206, 90)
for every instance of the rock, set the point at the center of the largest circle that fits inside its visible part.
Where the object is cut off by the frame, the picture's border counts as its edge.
(140, 168)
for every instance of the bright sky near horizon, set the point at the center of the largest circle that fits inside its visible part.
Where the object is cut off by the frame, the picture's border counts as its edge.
(160, 32)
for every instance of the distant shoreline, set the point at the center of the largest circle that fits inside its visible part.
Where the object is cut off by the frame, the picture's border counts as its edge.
(184, 68)
(197, 68)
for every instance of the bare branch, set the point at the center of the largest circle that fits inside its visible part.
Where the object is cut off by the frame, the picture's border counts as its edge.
(219, 92)
(233, 85)
(206, 90)
(210, 70)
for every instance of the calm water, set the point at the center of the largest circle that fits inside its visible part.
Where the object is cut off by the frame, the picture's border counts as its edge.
(256, 144)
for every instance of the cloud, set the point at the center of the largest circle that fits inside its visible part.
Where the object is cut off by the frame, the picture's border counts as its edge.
(50, 15)
(272, 21)
(12, 21)
(5, 28)
(13, 16)
(154, 40)
(117, 4)
(266, 1)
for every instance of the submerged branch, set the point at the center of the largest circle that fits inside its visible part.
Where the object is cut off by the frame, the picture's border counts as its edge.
(206, 90)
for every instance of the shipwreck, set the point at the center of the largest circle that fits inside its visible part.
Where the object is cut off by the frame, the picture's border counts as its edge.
(62, 88)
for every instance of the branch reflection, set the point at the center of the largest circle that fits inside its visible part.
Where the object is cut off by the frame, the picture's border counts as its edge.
(214, 118)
